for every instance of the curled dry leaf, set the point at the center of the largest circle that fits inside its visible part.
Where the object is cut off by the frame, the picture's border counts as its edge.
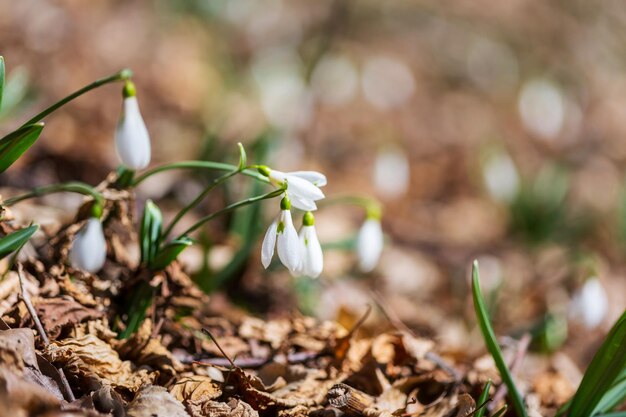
(155, 401)
(273, 332)
(93, 362)
(196, 388)
(60, 313)
(233, 408)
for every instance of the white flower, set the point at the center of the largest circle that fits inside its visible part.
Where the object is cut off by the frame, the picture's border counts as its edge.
(302, 186)
(369, 244)
(590, 304)
(282, 235)
(132, 141)
(89, 250)
(312, 258)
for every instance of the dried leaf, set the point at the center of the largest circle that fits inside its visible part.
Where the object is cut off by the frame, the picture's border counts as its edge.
(196, 388)
(57, 314)
(155, 401)
(234, 408)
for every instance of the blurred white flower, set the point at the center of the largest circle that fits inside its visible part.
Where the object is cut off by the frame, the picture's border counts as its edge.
(501, 177)
(542, 108)
(335, 80)
(387, 82)
(132, 141)
(312, 257)
(89, 249)
(302, 186)
(370, 241)
(391, 172)
(282, 235)
(590, 304)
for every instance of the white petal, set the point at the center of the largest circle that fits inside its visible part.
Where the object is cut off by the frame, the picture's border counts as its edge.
(313, 258)
(132, 140)
(288, 244)
(269, 242)
(316, 178)
(89, 250)
(590, 304)
(369, 244)
(303, 204)
(302, 188)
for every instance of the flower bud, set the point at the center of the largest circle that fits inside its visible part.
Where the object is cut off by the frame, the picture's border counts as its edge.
(89, 250)
(132, 140)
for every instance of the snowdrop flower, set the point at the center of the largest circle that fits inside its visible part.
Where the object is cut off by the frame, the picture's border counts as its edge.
(282, 235)
(303, 187)
(89, 250)
(132, 141)
(370, 240)
(312, 257)
(590, 304)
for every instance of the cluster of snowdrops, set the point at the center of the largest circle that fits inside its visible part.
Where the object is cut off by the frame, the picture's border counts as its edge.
(300, 252)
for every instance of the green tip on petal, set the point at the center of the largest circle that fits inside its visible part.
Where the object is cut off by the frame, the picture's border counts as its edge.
(96, 210)
(308, 219)
(264, 169)
(374, 211)
(285, 203)
(126, 74)
(129, 89)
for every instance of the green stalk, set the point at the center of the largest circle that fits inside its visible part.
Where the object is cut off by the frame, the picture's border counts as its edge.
(71, 187)
(123, 75)
(199, 165)
(230, 208)
(197, 200)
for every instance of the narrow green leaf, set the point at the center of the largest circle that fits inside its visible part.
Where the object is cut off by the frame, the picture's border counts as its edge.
(150, 232)
(492, 344)
(138, 303)
(170, 251)
(613, 397)
(615, 414)
(243, 159)
(13, 145)
(2, 71)
(16, 240)
(602, 373)
(482, 400)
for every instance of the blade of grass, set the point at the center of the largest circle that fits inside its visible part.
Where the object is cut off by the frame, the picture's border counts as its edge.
(2, 70)
(602, 373)
(13, 145)
(492, 344)
(16, 240)
(482, 399)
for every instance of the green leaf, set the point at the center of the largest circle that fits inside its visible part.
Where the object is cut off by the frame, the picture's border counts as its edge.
(492, 343)
(602, 373)
(13, 145)
(170, 251)
(150, 232)
(138, 302)
(243, 159)
(482, 400)
(16, 240)
(613, 397)
(2, 71)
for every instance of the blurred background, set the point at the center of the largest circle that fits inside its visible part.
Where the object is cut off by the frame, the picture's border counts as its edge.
(488, 130)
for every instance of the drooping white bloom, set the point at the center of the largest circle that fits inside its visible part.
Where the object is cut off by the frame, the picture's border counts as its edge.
(282, 235)
(132, 141)
(312, 257)
(501, 177)
(303, 187)
(89, 250)
(370, 242)
(590, 304)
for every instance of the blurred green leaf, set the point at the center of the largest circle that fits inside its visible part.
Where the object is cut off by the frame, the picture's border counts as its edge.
(492, 343)
(150, 233)
(2, 71)
(13, 145)
(170, 251)
(16, 240)
(482, 400)
(615, 396)
(15, 91)
(138, 303)
(603, 371)
(243, 158)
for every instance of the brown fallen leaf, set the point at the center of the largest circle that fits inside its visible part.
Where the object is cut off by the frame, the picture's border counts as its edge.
(155, 401)
(92, 362)
(196, 388)
(233, 408)
(59, 313)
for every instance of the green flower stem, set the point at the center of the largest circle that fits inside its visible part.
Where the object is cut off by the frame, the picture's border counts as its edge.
(230, 208)
(199, 165)
(123, 75)
(197, 200)
(71, 187)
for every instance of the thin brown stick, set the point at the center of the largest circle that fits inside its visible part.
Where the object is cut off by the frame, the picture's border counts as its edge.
(214, 340)
(69, 395)
(522, 348)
